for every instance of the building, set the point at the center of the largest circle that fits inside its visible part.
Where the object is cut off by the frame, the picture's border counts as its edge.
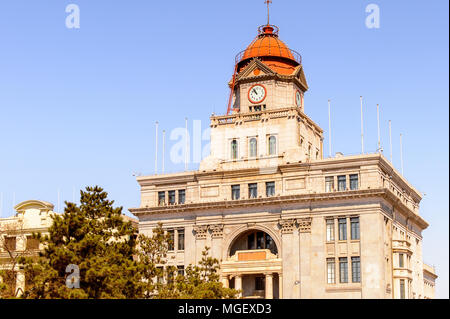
(16, 237)
(284, 221)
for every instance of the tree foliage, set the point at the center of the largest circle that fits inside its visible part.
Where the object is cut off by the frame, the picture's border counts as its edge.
(113, 261)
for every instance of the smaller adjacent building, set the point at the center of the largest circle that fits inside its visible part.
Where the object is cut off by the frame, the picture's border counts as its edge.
(16, 238)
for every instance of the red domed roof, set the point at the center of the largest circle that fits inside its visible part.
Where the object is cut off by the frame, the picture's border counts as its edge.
(271, 51)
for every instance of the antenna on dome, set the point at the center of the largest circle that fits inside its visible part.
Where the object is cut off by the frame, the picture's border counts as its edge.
(268, 2)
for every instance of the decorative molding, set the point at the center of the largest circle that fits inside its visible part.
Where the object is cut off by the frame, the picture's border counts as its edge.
(287, 225)
(216, 230)
(200, 231)
(304, 225)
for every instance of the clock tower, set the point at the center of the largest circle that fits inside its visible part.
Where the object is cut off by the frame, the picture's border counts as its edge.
(265, 124)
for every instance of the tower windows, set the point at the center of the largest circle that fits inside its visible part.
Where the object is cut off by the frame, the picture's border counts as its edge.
(234, 149)
(330, 229)
(171, 197)
(181, 196)
(343, 270)
(354, 182)
(272, 145)
(270, 189)
(161, 198)
(253, 147)
(329, 184)
(235, 192)
(252, 190)
(342, 183)
(356, 269)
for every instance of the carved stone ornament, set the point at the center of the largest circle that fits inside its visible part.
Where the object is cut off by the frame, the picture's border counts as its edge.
(287, 225)
(216, 230)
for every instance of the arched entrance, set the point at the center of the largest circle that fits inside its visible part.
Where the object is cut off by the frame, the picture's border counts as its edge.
(253, 265)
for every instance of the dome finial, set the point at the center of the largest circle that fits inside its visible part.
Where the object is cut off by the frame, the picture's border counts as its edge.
(268, 2)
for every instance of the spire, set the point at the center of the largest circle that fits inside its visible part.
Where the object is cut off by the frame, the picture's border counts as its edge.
(268, 2)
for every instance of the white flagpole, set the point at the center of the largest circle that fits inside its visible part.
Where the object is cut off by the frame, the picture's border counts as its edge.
(362, 126)
(390, 140)
(156, 148)
(163, 150)
(329, 128)
(186, 146)
(401, 153)
(378, 120)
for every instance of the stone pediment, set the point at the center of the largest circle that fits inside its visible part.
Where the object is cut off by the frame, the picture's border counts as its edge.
(255, 69)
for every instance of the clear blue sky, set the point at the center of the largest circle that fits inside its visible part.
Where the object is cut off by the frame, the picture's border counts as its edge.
(78, 106)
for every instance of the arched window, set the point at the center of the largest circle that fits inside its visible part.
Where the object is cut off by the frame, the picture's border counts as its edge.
(272, 145)
(253, 147)
(234, 149)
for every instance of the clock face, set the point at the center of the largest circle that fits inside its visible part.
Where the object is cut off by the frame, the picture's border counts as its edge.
(298, 98)
(257, 93)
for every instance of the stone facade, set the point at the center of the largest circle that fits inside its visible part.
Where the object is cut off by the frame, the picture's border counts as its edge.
(284, 221)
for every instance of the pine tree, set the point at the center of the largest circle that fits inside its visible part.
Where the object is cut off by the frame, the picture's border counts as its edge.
(96, 240)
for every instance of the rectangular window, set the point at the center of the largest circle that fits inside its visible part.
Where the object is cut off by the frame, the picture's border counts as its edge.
(401, 263)
(342, 228)
(251, 241)
(32, 243)
(10, 243)
(181, 196)
(180, 239)
(260, 283)
(354, 224)
(342, 183)
(329, 184)
(252, 190)
(402, 289)
(330, 229)
(343, 270)
(180, 270)
(331, 268)
(160, 275)
(260, 240)
(270, 189)
(235, 192)
(356, 269)
(354, 182)
(161, 198)
(171, 197)
(171, 245)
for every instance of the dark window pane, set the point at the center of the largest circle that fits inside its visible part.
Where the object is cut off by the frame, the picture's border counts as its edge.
(181, 196)
(234, 149)
(181, 239)
(342, 228)
(251, 241)
(341, 183)
(235, 192)
(260, 283)
(260, 240)
(171, 245)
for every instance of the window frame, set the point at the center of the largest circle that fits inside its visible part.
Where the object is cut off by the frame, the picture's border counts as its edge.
(267, 189)
(269, 145)
(237, 188)
(255, 148)
(342, 236)
(355, 234)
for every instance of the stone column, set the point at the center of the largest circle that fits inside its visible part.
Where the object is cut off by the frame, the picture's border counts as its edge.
(225, 282)
(269, 286)
(238, 283)
(280, 285)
